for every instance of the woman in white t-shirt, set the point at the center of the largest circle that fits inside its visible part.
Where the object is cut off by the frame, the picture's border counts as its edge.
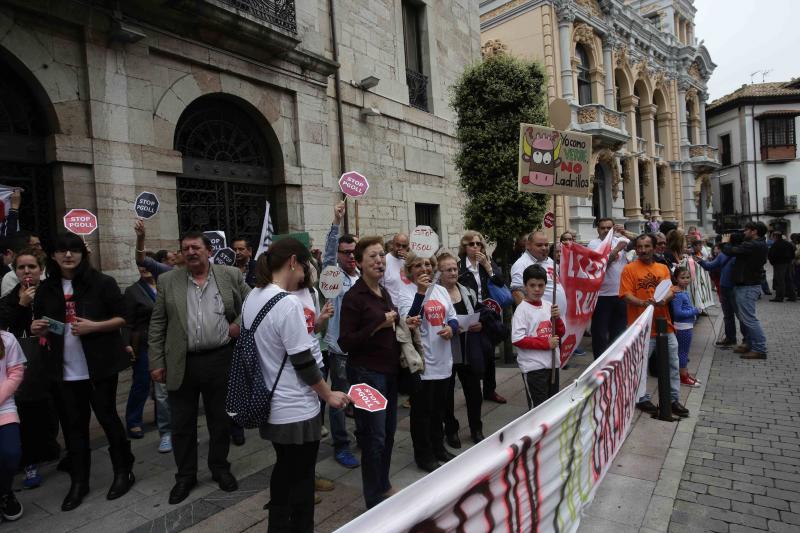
(430, 307)
(283, 338)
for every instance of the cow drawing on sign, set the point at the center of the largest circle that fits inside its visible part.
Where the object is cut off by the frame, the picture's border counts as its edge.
(541, 152)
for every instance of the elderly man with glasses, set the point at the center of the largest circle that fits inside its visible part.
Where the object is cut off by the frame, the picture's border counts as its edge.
(475, 270)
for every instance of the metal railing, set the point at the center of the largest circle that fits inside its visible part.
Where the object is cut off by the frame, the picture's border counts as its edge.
(780, 203)
(417, 89)
(641, 145)
(281, 13)
(660, 151)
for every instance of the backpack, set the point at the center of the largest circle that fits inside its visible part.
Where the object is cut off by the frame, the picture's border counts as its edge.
(248, 401)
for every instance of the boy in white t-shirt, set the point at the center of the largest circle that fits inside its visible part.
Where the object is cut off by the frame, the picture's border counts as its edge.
(533, 334)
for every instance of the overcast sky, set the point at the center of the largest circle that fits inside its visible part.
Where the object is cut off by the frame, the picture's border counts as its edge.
(744, 36)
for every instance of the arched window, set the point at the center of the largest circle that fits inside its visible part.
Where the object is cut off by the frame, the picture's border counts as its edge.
(226, 176)
(584, 82)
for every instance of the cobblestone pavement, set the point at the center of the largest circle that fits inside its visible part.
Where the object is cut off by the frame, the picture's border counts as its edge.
(742, 472)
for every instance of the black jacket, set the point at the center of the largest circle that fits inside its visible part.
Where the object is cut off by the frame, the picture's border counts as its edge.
(14, 317)
(781, 252)
(97, 297)
(139, 306)
(750, 258)
(466, 278)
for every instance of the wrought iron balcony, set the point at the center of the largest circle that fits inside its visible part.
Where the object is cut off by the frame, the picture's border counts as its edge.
(703, 156)
(417, 89)
(780, 204)
(599, 121)
(281, 13)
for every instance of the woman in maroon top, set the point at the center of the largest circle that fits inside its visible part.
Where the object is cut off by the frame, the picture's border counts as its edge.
(367, 334)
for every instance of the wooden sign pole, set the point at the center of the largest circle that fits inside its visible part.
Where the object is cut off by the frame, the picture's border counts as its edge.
(554, 357)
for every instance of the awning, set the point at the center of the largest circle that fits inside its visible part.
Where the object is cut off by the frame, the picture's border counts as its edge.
(778, 113)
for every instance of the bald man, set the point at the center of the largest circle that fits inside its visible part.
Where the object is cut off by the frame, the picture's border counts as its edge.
(536, 249)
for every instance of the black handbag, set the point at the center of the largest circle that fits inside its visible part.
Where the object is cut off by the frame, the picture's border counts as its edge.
(34, 386)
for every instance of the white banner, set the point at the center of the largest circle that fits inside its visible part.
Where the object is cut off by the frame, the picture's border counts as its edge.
(701, 289)
(5, 207)
(539, 472)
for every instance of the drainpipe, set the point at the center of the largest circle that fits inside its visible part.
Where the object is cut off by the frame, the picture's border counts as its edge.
(337, 91)
(755, 156)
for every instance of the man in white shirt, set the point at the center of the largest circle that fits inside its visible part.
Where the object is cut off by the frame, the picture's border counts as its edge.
(393, 279)
(536, 249)
(609, 318)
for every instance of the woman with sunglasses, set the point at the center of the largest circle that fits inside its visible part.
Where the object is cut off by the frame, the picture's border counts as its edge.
(78, 312)
(475, 270)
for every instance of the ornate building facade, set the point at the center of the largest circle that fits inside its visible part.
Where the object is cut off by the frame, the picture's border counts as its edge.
(219, 105)
(635, 77)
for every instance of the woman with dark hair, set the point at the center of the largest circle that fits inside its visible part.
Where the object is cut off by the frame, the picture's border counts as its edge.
(78, 312)
(367, 334)
(294, 426)
(38, 421)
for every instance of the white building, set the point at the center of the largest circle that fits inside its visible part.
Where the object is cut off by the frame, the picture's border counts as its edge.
(755, 129)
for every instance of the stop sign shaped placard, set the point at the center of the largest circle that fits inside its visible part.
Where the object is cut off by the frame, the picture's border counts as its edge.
(367, 398)
(353, 184)
(80, 221)
(549, 219)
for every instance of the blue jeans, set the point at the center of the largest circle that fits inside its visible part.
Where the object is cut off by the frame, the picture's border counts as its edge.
(746, 297)
(137, 397)
(10, 453)
(375, 434)
(336, 365)
(609, 321)
(674, 372)
(727, 301)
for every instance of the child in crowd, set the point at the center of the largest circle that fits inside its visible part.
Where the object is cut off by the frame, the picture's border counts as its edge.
(12, 368)
(535, 337)
(683, 316)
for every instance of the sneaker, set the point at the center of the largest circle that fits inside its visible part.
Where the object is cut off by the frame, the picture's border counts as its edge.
(689, 381)
(346, 459)
(32, 477)
(10, 508)
(579, 351)
(324, 432)
(165, 446)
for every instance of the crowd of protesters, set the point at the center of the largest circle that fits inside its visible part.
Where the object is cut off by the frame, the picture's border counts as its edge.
(68, 332)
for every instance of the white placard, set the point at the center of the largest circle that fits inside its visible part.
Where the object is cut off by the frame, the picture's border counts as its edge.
(424, 242)
(662, 290)
(465, 321)
(330, 281)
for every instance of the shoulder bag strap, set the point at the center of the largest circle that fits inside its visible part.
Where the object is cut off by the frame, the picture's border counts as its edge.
(261, 314)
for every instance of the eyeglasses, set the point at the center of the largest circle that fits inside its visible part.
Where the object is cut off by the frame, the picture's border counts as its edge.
(475, 243)
(73, 252)
(347, 252)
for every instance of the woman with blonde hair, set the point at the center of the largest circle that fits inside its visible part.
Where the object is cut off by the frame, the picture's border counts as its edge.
(475, 271)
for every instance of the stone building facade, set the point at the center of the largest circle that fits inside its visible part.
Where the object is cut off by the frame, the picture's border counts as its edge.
(756, 128)
(219, 105)
(635, 77)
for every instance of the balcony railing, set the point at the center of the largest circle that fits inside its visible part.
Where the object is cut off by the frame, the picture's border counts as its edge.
(778, 153)
(703, 151)
(780, 203)
(281, 13)
(417, 89)
(598, 120)
(641, 145)
(660, 151)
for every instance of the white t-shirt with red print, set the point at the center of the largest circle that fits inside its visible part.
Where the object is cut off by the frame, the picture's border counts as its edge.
(75, 367)
(436, 313)
(311, 311)
(531, 329)
(394, 279)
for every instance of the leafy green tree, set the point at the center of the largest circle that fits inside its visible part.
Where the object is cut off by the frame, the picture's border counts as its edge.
(491, 99)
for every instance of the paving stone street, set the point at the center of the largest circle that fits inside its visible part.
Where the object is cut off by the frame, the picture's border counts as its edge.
(734, 465)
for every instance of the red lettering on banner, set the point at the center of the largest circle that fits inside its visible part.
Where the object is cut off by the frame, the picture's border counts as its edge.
(434, 312)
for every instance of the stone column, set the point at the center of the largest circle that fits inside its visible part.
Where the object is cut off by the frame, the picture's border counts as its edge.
(648, 132)
(683, 86)
(629, 104)
(633, 211)
(608, 70)
(701, 98)
(565, 18)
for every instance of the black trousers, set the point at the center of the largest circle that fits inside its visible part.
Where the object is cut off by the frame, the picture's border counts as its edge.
(428, 398)
(207, 376)
(538, 386)
(38, 431)
(471, 385)
(782, 281)
(291, 487)
(489, 378)
(79, 399)
(608, 322)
